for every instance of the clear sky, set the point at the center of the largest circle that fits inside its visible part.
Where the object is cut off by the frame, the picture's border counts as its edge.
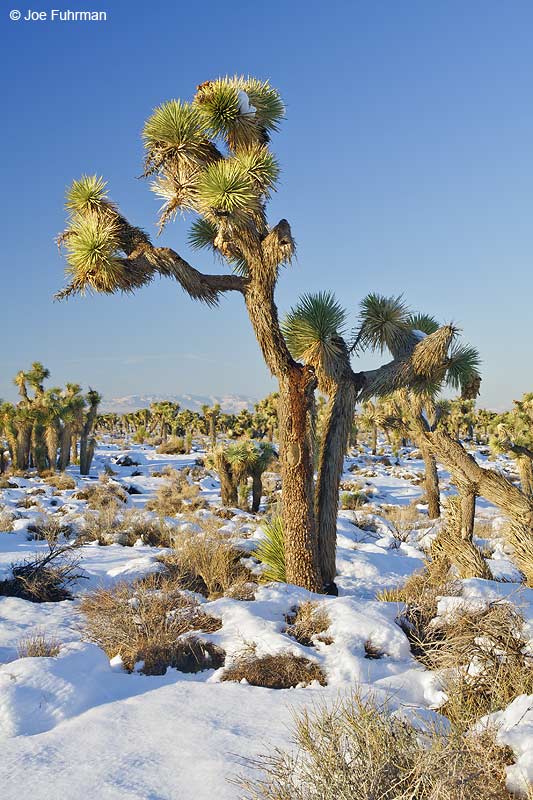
(406, 162)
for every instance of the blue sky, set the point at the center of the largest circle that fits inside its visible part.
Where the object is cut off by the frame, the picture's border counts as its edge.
(406, 162)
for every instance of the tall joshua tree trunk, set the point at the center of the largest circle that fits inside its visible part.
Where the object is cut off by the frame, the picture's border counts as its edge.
(297, 384)
(431, 482)
(228, 485)
(64, 447)
(337, 427)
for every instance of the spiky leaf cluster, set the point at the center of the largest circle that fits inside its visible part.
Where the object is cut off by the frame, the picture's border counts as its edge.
(313, 330)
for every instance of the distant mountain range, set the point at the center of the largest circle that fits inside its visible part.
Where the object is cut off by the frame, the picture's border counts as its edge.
(230, 403)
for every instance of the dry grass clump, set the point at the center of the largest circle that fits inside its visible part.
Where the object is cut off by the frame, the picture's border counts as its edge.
(206, 563)
(103, 494)
(49, 527)
(6, 520)
(176, 495)
(465, 556)
(38, 645)
(108, 526)
(357, 750)
(46, 578)
(174, 446)
(421, 593)
(276, 671)
(306, 622)
(28, 502)
(485, 659)
(60, 481)
(146, 622)
(402, 520)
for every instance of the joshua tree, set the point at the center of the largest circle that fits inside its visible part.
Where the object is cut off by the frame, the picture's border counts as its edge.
(513, 434)
(87, 442)
(212, 414)
(315, 333)
(211, 157)
(419, 406)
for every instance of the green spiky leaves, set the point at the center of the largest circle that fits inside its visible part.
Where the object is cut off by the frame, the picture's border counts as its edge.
(260, 165)
(313, 331)
(86, 194)
(225, 188)
(239, 110)
(177, 128)
(384, 324)
(463, 370)
(202, 234)
(93, 247)
(314, 321)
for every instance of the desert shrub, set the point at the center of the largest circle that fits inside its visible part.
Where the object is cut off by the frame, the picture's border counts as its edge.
(144, 622)
(108, 525)
(6, 520)
(206, 563)
(271, 551)
(485, 661)
(306, 622)
(358, 750)
(402, 520)
(352, 500)
(49, 527)
(103, 494)
(174, 446)
(420, 594)
(38, 645)
(176, 495)
(46, 578)
(365, 522)
(242, 590)
(61, 481)
(273, 671)
(28, 502)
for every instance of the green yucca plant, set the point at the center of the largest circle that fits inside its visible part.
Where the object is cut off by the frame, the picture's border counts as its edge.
(225, 188)
(177, 128)
(271, 551)
(384, 324)
(92, 253)
(86, 194)
(312, 330)
(261, 166)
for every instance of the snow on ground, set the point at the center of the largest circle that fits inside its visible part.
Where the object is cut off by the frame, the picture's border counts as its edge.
(76, 725)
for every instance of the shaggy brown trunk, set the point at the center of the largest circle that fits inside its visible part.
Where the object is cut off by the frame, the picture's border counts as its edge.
(296, 458)
(228, 484)
(74, 448)
(297, 384)
(525, 470)
(468, 511)
(52, 445)
(337, 427)
(431, 482)
(257, 490)
(374, 439)
(64, 448)
(213, 431)
(23, 448)
(38, 447)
